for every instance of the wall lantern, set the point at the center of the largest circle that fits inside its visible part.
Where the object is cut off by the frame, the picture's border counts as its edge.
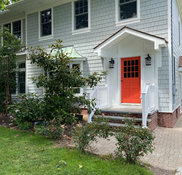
(148, 61)
(111, 63)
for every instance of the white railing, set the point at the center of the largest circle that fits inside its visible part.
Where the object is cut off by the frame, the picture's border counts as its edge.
(100, 94)
(149, 102)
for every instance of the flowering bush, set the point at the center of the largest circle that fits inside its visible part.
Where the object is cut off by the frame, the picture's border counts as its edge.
(133, 142)
(27, 110)
(83, 135)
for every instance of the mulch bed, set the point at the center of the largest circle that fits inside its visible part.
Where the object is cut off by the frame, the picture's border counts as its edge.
(5, 121)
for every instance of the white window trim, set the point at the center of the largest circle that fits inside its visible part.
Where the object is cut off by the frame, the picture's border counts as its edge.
(42, 38)
(81, 69)
(79, 31)
(126, 21)
(11, 22)
(20, 70)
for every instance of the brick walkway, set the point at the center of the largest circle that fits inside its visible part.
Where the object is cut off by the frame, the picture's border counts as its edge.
(168, 148)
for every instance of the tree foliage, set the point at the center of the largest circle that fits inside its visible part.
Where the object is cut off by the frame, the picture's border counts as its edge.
(60, 83)
(8, 50)
(4, 3)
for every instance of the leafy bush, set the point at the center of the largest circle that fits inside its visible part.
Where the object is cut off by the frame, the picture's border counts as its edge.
(83, 135)
(24, 125)
(27, 110)
(133, 142)
(60, 81)
(52, 129)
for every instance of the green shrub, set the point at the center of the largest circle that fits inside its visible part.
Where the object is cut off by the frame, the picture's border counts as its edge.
(83, 135)
(24, 125)
(51, 129)
(27, 110)
(61, 82)
(133, 142)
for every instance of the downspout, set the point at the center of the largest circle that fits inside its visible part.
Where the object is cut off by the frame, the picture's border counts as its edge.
(172, 55)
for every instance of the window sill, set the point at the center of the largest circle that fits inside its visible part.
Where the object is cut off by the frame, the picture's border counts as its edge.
(42, 38)
(78, 95)
(79, 31)
(18, 95)
(127, 21)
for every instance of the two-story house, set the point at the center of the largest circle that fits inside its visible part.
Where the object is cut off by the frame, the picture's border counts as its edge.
(137, 41)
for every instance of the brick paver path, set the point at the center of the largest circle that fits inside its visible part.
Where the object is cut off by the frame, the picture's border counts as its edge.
(168, 148)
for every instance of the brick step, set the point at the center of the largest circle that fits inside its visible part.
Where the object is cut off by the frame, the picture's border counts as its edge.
(121, 114)
(117, 121)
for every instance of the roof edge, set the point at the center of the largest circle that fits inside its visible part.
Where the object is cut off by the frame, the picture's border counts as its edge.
(126, 27)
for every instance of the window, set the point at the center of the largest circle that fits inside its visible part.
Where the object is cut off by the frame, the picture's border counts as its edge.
(12, 87)
(46, 22)
(14, 28)
(81, 14)
(127, 10)
(17, 29)
(21, 77)
(21, 82)
(77, 67)
(8, 26)
(19, 85)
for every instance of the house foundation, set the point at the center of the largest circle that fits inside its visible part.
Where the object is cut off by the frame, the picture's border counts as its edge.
(168, 120)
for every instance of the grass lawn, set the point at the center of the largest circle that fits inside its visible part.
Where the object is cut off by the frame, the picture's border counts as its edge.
(22, 153)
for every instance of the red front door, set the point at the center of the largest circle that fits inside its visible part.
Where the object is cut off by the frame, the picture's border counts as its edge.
(130, 80)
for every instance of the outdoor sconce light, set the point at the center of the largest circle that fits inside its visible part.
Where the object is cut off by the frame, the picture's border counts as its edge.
(111, 63)
(148, 60)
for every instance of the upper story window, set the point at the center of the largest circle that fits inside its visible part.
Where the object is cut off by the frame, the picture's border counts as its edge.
(127, 10)
(8, 26)
(46, 22)
(17, 29)
(81, 15)
(14, 28)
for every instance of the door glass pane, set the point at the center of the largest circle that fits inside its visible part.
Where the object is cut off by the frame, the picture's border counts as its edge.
(125, 63)
(125, 69)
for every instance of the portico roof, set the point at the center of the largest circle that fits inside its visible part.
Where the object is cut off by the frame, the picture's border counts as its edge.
(126, 31)
(70, 52)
